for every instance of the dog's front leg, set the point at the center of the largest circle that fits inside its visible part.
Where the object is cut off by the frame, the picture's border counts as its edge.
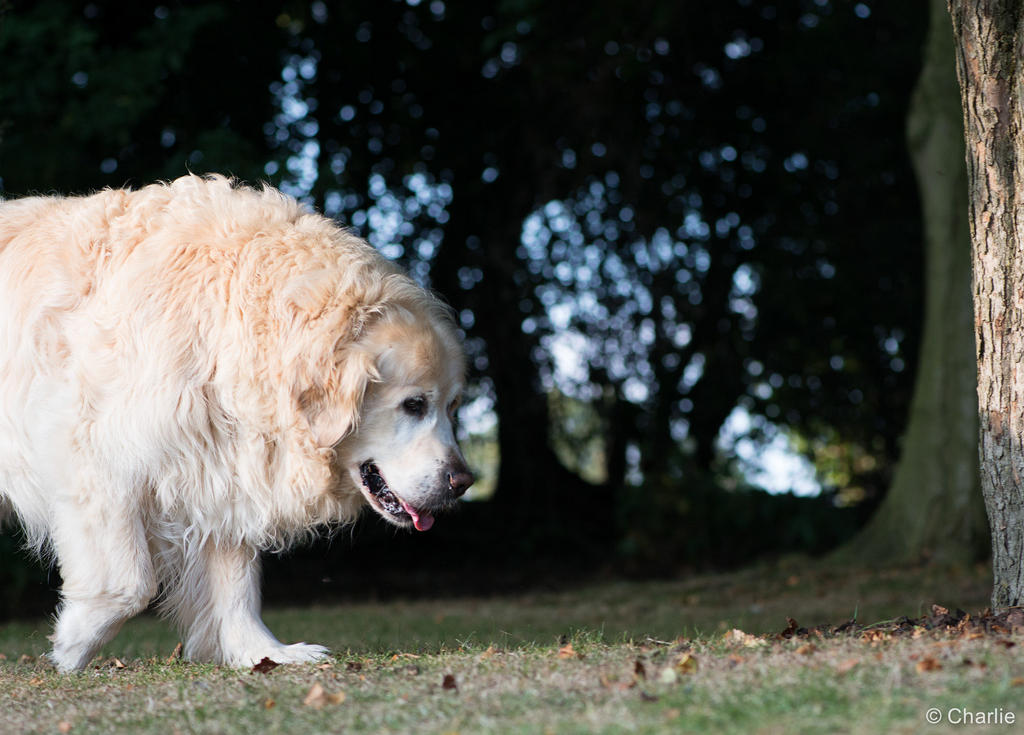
(218, 605)
(107, 571)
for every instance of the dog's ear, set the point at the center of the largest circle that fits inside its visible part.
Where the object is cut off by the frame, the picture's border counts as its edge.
(330, 400)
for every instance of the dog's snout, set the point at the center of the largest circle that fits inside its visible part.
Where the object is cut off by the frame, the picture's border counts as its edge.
(459, 481)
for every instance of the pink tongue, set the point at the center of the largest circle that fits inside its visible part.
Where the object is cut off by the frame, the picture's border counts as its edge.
(422, 522)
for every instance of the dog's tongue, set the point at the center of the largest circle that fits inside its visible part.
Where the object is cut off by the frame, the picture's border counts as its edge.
(422, 522)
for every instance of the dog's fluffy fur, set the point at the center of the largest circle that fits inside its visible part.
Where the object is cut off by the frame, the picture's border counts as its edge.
(194, 372)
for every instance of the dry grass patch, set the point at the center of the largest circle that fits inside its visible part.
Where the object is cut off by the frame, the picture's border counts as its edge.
(708, 654)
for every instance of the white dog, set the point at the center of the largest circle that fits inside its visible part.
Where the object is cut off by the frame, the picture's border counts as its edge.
(194, 372)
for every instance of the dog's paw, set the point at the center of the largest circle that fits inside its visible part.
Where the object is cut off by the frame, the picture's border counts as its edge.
(297, 653)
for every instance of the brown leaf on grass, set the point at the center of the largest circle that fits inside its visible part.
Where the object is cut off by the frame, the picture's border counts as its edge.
(176, 653)
(874, 637)
(615, 684)
(269, 703)
(317, 697)
(685, 664)
(1017, 681)
(449, 683)
(846, 666)
(942, 618)
(491, 650)
(353, 666)
(1005, 643)
(64, 726)
(36, 681)
(639, 670)
(807, 649)
(737, 637)
(928, 664)
(567, 651)
(682, 666)
(265, 666)
(791, 628)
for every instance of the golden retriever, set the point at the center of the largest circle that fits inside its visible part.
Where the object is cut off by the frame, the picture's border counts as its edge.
(193, 372)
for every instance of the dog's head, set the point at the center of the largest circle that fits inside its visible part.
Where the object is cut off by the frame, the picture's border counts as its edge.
(402, 452)
(381, 402)
(387, 410)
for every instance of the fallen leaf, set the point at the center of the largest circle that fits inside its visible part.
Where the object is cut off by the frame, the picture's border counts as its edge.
(928, 664)
(737, 637)
(353, 666)
(1005, 643)
(686, 664)
(847, 665)
(176, 653)
(807, 649)
(265, 666)
(317, 697)
(1017, 681)
(64, 726)
(269, 703)
(939, 610)
(567, 651)
(791, 628)
(615, 684)
(874, 637)
(449, 682)
(639, 670)
(36, 681)
(488, 653)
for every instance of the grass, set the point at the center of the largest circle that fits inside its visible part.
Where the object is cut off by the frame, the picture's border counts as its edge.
(614, 657)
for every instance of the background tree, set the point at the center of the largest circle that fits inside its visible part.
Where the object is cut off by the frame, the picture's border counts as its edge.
(934, 507)
(989, 35)
(649, 216)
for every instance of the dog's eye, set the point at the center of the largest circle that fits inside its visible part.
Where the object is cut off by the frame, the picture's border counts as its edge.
(415, 406)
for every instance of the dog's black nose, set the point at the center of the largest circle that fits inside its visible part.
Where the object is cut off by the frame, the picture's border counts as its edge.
(459, 481)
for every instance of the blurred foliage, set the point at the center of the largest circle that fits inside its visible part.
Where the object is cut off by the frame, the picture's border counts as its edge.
(647, 214)
(663, 529)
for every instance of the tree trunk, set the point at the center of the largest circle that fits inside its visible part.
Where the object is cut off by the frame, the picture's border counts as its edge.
(934, 508)
(989, 34)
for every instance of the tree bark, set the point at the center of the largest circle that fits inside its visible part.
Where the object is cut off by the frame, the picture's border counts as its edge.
(934, 507)
(989, 36)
